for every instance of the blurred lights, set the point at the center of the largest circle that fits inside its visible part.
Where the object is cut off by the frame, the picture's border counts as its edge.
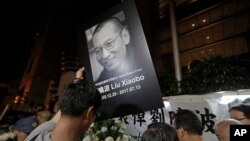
(16, 99)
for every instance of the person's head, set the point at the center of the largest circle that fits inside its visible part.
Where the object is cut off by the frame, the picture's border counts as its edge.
(187, 123)
(80, 100)
(39, 107)
(43, 116)
(241, 112)
(23, 127)
(110, 39)
(222, 129)
(159, 131)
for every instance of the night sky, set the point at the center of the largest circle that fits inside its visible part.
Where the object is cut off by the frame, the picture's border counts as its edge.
(18, 19)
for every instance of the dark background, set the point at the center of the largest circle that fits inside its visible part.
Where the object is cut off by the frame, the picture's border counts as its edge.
(20, 22)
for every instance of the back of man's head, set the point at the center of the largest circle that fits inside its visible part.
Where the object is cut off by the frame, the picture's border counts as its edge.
(226, 123)
(76, 97)
(189, 121)
(222, 128)
(159, 131)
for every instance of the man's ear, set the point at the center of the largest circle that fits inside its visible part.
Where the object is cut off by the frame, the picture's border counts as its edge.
(125, 35)
(90, 112)
(182, 133)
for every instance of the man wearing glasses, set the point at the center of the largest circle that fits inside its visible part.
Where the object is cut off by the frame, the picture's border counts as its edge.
(241, 112)
(111, 41)
(188, 126)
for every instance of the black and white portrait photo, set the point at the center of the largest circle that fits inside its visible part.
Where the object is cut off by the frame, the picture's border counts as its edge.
(111, 53)
(118, 60)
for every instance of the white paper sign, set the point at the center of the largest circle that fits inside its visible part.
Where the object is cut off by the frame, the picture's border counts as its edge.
(210, 108)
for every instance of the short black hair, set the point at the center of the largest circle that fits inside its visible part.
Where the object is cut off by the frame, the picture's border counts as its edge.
(117, 22)
(159, 131)
(189, 121)
(242, 107)
(76, 97)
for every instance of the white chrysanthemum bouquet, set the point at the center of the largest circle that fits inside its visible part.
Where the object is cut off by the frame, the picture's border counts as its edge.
(107, 130)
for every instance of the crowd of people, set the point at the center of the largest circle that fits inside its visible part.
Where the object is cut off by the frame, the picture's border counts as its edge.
(78, 105)
(188, 127)
(20, 127)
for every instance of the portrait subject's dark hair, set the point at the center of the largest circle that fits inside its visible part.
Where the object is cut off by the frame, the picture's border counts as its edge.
(189, 121)
(76, 97)
(118, 24)
(159, 131)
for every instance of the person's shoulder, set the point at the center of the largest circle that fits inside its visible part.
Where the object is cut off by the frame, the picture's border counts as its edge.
(45, 136)
(41, 131)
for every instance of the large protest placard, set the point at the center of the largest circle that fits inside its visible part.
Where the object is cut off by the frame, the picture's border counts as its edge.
(210, 108)
(116, 56)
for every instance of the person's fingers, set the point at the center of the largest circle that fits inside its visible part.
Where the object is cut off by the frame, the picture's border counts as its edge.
(79, 73)
(81, 69)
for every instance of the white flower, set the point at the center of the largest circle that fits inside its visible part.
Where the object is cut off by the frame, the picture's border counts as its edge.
(123, 138)
(104, 129)
(121, 130)
(95, 138)
(113, 127)
(87, 138)
(90, 130)
(117, 120)
(109, 138)
(118, 138)
(92, 125)
(98, 132)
